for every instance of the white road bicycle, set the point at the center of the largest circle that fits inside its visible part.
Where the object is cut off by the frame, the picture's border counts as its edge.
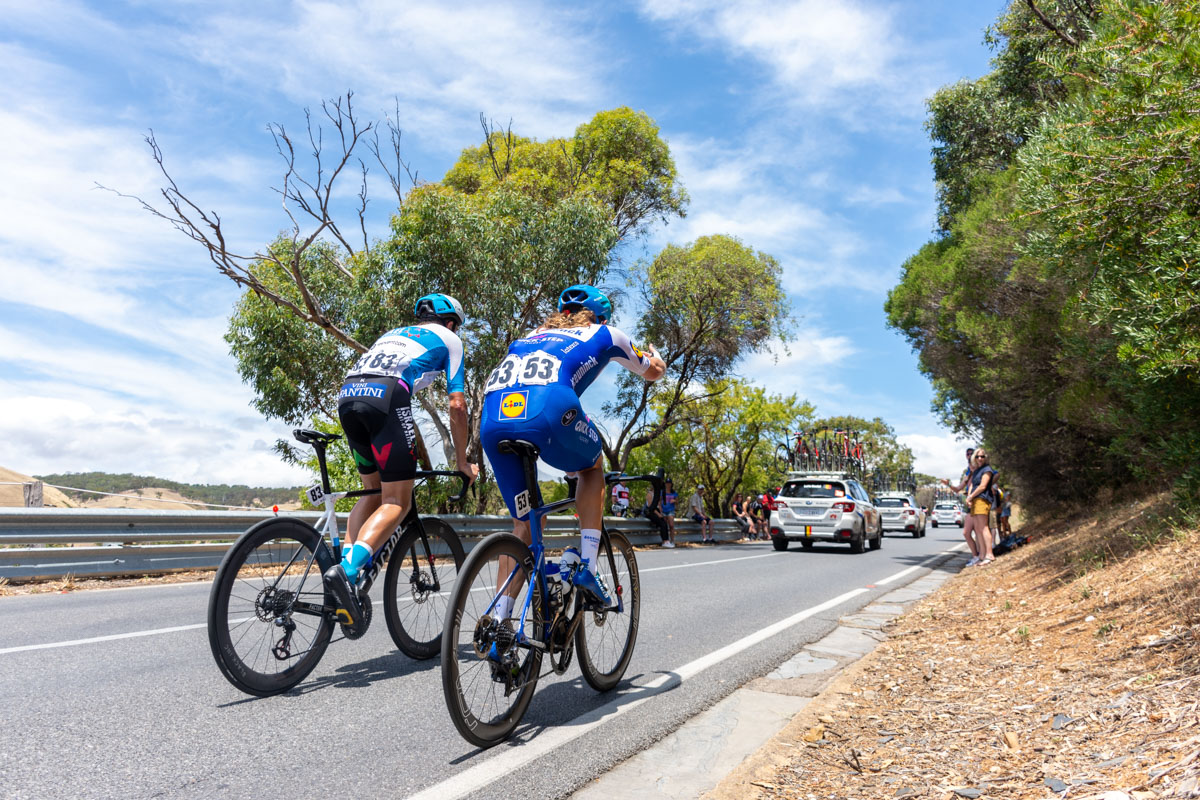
(269, 615)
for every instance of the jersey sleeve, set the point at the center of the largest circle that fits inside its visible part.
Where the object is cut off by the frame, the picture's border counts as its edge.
(454, 363)
(626, 354)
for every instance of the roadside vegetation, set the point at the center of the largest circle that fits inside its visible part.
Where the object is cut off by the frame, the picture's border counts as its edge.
(1056, 310)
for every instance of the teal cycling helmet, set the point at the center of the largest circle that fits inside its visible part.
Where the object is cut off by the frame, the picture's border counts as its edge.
(589, 297)
(439, 305)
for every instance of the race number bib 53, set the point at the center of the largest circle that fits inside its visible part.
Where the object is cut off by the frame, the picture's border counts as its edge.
(535, 369)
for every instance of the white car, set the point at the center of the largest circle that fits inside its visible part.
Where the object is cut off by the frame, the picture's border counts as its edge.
(825, 507)
(947, 513)
(900, 512)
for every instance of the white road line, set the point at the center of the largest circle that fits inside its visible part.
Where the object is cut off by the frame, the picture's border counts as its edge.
(497, 767)
(910, 570)
(706, 563)
(94, 639)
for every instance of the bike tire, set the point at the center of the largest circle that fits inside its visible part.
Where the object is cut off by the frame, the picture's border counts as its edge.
(415, 613)
(783, 458)
(605, 639)
(468, 683)
(246, 598)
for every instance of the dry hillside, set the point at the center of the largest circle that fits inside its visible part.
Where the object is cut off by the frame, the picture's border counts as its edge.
(14, 495)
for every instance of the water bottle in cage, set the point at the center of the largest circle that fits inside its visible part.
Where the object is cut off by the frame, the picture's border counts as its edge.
(567, 564)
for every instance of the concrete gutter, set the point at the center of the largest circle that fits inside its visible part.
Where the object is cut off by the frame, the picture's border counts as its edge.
(696, 757)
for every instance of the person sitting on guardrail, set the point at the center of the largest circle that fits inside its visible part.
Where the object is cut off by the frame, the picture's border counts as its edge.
(741, 515)
(620, 499)
(670, 498)
(696, 512)
(652, 512)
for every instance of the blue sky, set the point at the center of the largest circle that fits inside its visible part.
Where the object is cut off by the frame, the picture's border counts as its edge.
(795, 125)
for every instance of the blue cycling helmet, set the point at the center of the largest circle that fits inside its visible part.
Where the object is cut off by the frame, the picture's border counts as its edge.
(439, 305)
(588, 297)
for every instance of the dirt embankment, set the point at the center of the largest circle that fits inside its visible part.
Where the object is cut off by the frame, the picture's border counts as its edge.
(1068, 668)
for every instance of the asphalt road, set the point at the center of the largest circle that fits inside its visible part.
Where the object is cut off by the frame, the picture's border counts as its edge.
(113, 693)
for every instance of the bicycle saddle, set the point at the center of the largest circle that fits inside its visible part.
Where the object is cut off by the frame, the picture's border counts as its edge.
(519, 448)
(312, 437)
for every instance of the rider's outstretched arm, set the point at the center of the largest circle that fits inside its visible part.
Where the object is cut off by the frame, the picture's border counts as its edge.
(458, 432)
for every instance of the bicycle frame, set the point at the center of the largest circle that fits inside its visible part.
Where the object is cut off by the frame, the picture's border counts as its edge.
(538, 552)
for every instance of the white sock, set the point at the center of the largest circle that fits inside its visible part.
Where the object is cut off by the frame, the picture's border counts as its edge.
(589, 546)
(504, 607)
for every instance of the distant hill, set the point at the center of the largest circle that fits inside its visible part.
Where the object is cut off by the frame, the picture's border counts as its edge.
(218, 494)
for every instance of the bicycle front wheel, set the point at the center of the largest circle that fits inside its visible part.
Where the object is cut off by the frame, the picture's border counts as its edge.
(417, 587)
(267, 620)
(605, 639)
(488, 677)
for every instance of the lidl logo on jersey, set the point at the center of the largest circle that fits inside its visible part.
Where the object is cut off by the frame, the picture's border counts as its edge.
(514, 405)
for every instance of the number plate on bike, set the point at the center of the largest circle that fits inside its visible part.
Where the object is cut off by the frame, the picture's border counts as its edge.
(521, 501)
(315, 495)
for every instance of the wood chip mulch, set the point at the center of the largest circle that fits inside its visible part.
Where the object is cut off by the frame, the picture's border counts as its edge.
(1068, 668)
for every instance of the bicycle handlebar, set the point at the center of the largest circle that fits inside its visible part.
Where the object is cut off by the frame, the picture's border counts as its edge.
(655, 478)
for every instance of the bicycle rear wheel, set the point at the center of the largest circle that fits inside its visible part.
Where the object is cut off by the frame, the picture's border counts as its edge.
(783, 457)
(605, 639)
(413, 602)
(488, 690)
(267, 620)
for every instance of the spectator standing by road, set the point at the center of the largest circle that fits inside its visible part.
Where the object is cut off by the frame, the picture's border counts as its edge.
(652, 512)
(980, 500)
(696, 512)
(968, 525)
(670, 498)
(620, 499)
(742, 516)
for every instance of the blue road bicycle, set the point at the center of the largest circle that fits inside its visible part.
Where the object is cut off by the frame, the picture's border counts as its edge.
(491, 666)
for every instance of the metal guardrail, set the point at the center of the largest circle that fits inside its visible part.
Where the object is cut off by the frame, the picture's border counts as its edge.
(51, 543)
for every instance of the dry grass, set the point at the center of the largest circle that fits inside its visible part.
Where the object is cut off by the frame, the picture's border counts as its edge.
(1066, 669)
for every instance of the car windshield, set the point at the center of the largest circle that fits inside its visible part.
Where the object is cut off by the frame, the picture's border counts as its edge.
(813, 489)
(891, 502)
(945, 507)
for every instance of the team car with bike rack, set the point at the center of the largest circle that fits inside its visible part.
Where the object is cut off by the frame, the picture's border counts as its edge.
(825, 507)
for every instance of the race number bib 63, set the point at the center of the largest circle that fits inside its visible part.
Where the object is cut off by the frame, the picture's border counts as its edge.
(389, 356)
(535, 369)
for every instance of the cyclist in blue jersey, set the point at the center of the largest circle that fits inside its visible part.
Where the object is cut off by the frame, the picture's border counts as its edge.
(533, 395)
(375, 409)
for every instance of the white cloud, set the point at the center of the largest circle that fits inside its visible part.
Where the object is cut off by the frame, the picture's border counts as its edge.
(532, 61)
(817, 50)
(939, 454)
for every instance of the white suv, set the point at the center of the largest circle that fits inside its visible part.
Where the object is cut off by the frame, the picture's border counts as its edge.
(947, 513)
(825, 507)
(900, 512)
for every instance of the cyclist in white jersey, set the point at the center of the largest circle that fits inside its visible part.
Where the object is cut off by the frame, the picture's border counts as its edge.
(375, 409)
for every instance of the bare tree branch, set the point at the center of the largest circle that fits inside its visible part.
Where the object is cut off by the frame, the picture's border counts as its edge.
(1037, 12)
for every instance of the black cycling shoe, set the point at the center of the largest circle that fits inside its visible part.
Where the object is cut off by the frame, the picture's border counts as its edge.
(348, 612)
